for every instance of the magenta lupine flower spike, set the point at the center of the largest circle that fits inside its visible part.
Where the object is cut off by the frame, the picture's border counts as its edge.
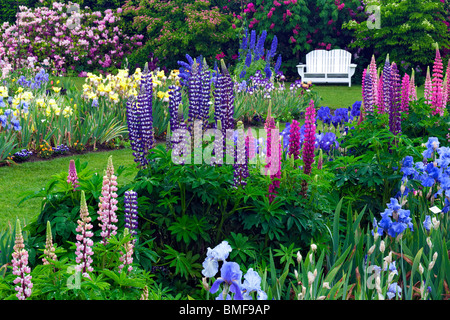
(84, 242)
(404, 107)
(412, 87)
(427, 93)
(72, 178)
(437, 92)
(374, 78)
(310, 138)
(127, 257)
(363, 84)
(20, 266)
(387, 84)
(108, 203)
(294, 140)
(447, 75)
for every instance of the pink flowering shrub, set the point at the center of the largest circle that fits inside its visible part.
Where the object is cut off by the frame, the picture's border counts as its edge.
(65, 39)
(174, 28)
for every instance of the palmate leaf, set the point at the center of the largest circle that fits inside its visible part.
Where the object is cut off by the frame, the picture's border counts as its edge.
(184, 263)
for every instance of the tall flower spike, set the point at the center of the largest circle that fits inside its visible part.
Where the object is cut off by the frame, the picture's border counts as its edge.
(108, 203)
(437, 102)
(294, 140)
(368, 92)
(380, 104)
(84, 242)
(386, 85)
(127, 256)
(309, 143)
(428, 90)
(405, 94)
(20, 266)
(412, 87)
(394, 109)
(194, 94)
(447, 75)
(140, 119)
(72, 178)
(374, 78)
(49, 251)
(241, 158)
(131, 211)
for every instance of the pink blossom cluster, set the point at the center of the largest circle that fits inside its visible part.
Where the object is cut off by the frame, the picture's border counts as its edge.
(72, 177)
(427, 91)
(20, 266)
(84, 242)
(108, 203)
(273, 154)
(404, 106)
(437, 95)
(310, 138)
(294, 140)
(66, 38)
(127, 257)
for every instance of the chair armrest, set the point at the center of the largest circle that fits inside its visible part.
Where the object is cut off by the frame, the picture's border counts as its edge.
(352, 69)
(301, 69)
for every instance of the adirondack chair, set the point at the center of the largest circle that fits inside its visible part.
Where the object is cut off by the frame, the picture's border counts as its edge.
(327, 66)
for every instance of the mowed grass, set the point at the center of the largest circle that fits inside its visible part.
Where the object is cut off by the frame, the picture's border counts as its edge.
(32, 176)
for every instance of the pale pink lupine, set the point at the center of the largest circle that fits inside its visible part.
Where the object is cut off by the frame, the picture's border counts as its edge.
(72, 178)
(84, 242)
(374, 78)
(447, 83)
(20, 266)
(412, 87)
(127, 257)
(49, 251)
(108, 203)
(427, 87)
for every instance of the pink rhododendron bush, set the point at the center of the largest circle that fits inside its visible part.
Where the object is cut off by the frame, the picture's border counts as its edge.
(66, 38)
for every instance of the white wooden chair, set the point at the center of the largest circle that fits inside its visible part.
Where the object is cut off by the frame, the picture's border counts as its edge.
(327, 66)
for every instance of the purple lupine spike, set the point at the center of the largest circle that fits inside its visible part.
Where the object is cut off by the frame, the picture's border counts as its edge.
(205, 93)
(131, 211)
(140, 120)
(404, 107)
(380, 94)
(194, 94)
(241, 158)
(368, 92)
(386, 85)
(437, 106)
(394, 108)
(72, 178)
(174, 103)
(294, 140)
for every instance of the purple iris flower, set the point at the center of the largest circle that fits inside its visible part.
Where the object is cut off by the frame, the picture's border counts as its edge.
(231, 274)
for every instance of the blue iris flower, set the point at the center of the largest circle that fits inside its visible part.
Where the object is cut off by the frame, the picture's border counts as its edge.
(213, 256)
(427, 223)
(393, 290)
(432, 145)
(230, 274)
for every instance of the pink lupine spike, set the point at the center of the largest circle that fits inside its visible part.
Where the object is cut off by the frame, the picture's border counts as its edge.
(412, 87)
(294, 140)
(374, 78)
(404, 107)
(427, 87)
(447, 82)
(437, 104)
(84, 242)
(20, 266)
(72, 178)
(108, 204)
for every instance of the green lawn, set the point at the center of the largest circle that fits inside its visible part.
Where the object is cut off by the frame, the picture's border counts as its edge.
(30, 176)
